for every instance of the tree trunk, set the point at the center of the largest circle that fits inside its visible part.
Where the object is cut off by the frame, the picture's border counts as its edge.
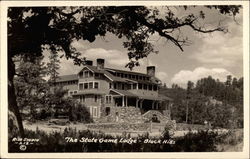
(12, 103)
(187, 113)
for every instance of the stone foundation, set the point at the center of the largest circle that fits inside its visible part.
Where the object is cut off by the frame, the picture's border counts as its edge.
(131, 115)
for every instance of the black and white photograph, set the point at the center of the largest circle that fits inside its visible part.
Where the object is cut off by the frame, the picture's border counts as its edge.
(125, 78)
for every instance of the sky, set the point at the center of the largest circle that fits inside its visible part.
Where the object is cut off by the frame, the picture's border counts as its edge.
(216, 54)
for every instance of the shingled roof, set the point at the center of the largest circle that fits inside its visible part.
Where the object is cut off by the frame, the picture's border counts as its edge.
(67, 78)
(106, 72)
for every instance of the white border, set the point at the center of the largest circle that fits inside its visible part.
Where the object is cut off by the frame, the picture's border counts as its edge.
(3, 108)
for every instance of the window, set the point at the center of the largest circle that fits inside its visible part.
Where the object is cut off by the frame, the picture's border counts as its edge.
(107, 111)
(75, 92)
(95, 112)
(96, 98)
(86, 73)
(129, 86)
(134, 85)
(80, 86)
(140, 77)
(97, 75)
(90, 85)
(136, 77)
(108, 99)
(90, 74)
(85, 85)
(144, 78)
(82, 99)
(115, 85)
(81, 74)
(122, 86)
(140, 86)
(145, 86)
(155, 87)
(133, 76)
(110, 85)
(96, 85)
(150, 87)
(70, 92)
(125, 75)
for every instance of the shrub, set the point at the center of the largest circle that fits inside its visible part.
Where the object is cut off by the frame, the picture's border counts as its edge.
(202, 141)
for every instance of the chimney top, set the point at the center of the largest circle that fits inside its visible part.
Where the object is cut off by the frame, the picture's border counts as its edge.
(89, 62)
(100, 63)
(151, 71)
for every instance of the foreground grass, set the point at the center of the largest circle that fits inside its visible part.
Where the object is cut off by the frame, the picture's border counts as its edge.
(201, 141)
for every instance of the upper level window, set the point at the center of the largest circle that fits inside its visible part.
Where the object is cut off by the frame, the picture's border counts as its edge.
(89, 85)
(140, 77)
(145, 86)
(96, 98)
(86, 73)
(86, 86)
(81, 74)
(115, 86)
(81, 86)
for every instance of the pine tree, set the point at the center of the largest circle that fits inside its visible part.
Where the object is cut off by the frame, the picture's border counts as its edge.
(53, 65)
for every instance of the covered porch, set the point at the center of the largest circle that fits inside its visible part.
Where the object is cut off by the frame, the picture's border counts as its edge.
(145, 103)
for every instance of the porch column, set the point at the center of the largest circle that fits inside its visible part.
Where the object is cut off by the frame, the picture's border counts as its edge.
(153, 102)
(136, 103)
(123, 101)
(126, 101)
(141, 103)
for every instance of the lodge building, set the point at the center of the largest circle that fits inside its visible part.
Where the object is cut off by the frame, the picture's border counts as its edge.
(102, 89)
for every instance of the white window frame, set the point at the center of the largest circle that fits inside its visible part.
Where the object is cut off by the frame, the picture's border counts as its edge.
(93, 82)
(95, 112)
(110, 99)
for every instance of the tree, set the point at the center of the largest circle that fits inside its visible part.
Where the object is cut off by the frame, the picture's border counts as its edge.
(190, 86)
(53, 65)
(30, 86)
(29, 29)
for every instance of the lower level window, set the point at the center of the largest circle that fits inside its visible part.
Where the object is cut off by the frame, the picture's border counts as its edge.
(82, 99)
(95, 112)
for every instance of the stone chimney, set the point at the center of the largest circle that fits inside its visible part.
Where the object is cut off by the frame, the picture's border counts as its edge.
(89, 62)
(100, 63)
(151, 71)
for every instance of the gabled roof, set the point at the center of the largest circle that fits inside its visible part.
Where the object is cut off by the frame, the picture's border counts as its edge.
(67, 78)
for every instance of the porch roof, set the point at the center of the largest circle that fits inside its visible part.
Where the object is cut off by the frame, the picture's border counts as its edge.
(149, 98)
(89, 92)
(123, 92)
